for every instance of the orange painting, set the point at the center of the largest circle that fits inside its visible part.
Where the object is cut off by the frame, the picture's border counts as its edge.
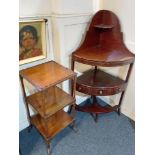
(31, 41)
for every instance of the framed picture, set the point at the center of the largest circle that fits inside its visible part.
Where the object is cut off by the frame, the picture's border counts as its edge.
(32, 41)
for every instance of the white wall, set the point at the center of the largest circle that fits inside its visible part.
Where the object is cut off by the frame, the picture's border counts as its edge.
(34, 7)
(72, 6)
(125, 10)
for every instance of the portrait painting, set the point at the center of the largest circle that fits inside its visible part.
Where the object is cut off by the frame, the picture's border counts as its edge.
(32, 41)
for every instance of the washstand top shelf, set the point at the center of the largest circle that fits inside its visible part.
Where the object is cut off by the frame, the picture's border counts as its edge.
(104, 26)
(103, 44)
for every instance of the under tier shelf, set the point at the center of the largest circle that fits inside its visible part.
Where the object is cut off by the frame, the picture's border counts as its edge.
(99, 83)
(49, 101)
(95, 107)
(55, 124)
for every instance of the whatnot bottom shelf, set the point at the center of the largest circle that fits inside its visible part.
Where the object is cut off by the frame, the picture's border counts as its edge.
(55, 124)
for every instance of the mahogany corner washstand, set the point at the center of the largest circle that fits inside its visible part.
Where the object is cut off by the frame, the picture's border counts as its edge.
(50, 99)
(103, 46)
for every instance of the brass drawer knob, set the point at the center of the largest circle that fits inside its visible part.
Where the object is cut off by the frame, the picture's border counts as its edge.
(80, 88)
(100, 92)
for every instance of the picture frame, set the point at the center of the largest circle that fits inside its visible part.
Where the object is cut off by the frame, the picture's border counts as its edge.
(32, 40)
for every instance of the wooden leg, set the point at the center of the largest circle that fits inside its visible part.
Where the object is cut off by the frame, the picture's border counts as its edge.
(120, 102)
(73, 126)
(95, 116)
(49, 152)
(119, 111)
(70, 109)
(73, 112)
(95, 104)
(122, 95)
(73, 81)
(30, 128)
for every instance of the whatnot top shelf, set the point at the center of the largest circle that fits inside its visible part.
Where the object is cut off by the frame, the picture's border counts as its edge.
(55, 124)
(49, 101)
(46, 75)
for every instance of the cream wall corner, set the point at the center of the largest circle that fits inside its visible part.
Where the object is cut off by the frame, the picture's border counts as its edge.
(125, 10)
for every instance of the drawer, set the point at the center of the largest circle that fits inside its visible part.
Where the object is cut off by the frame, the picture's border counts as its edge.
(107, 91)
(100, 91)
